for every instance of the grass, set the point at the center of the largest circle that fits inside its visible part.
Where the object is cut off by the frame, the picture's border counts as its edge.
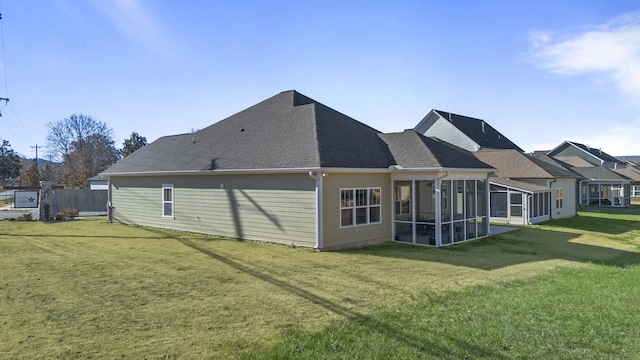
(87, 288)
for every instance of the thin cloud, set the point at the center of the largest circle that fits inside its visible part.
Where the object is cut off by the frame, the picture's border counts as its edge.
(134, 21)
(611, 50)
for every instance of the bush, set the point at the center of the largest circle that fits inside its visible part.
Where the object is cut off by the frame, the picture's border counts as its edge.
(66, 214)
(24, 217)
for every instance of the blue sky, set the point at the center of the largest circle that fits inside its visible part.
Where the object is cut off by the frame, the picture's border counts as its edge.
(541, 72)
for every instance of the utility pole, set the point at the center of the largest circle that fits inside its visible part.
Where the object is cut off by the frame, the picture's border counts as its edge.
(36, 147)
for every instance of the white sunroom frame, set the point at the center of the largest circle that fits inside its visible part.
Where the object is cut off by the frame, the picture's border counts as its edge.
(480, 217)
(526, 206)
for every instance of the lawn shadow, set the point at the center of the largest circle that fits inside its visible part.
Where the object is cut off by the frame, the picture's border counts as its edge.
(511, 248)
(603, 225)
(423, 345)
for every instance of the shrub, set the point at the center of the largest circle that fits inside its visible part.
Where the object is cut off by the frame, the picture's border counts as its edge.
(28, 217)
(66, 214)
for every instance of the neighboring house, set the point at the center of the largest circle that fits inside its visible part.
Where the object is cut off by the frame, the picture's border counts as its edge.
(635, 186)
(565, 185)
(99, 182)
(603, 187)
(523, 191)
(602, 182)
(631, 172)
(466, 132)
(293, 171)
(595, 157)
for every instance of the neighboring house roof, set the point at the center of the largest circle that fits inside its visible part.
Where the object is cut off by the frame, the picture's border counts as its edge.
(512, 164)
(598, 173)
(629, 173)
(288, 130)
(480, 131)
(573, 161)
(632, 159)
(519, 185)
(597, 153)
(551, 166)
(413, 150)
(292, 131)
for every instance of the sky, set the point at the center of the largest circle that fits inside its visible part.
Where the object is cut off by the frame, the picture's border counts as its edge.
(540, 72)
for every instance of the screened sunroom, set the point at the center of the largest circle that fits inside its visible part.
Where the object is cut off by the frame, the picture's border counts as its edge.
(517, 202)
(440, 212)
(605, 194)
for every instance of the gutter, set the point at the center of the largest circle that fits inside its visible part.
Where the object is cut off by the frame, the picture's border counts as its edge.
(391, 169)
(318, 176)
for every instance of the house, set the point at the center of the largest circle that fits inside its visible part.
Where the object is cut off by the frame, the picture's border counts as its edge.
(527, 190)
(291, 170)
(98, 183)
(602, 182)
(466, 132)
(565, 185)
(596, 157)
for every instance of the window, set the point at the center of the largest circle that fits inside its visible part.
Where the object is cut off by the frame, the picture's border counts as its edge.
(559, 199)
(403, 198)
(167, 201)
(359, 206)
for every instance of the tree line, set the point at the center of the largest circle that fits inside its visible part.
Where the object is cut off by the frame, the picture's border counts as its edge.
(80, 148)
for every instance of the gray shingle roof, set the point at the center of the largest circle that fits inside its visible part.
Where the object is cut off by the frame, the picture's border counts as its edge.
(519, 185)
(288, 130)
(479, 131)
(598, 173)
(512, 164)
(628, 173)
(551, 166)
(413, 150)
(292, 131)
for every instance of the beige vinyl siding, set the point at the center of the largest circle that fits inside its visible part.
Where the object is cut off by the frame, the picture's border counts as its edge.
(272, 208)
(569, 201)
(336, 237)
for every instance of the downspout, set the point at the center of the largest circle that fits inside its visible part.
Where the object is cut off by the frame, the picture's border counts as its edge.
(110, 207)
(551, 202)
(319, 208)
(439, 209)
(526, 209)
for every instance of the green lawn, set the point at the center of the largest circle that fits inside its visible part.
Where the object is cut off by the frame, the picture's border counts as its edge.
(90, 289)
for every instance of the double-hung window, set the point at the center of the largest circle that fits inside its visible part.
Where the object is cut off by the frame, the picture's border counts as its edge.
(559, 199)
(360, 206)
(167, 201)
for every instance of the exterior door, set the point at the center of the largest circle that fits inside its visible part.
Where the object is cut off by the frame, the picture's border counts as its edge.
(516, 213)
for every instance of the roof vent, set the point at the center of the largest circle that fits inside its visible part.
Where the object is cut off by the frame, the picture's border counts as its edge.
(450, 118)
(483, 127)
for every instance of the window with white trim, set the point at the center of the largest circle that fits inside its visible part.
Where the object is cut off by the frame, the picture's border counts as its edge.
(360, 206)
(167, 201)
(559, 198)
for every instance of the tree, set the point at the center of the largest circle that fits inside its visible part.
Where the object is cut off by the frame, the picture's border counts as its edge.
(133, 143)
(84, 145)
(9, 162)
(33, 175)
